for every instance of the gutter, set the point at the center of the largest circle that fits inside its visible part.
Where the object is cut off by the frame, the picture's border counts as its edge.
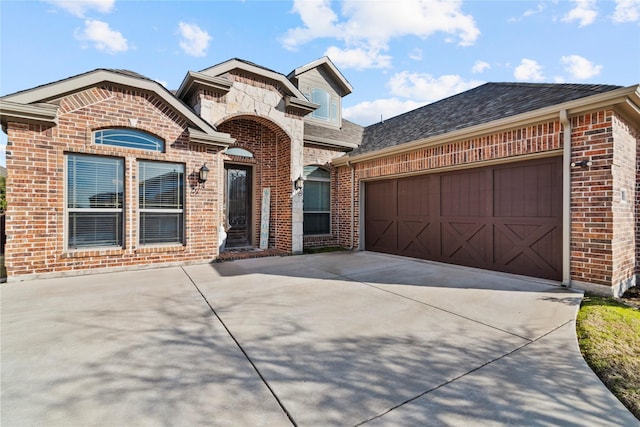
(566, 199)
(353, 175)
(624, 96)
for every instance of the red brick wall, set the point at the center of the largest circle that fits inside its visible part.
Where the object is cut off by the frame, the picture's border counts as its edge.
(271, 168)
(517, 142)
(322, 156)
(36, 193)
(637, 202)
(592, 199)
(601, 253)
(624, 171)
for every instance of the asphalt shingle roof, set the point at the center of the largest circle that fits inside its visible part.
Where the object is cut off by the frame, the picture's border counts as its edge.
(350, 132)
(485, 103)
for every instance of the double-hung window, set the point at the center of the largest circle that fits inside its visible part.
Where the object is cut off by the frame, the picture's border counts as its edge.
(161, 202)
(94, 201)
(317, 201)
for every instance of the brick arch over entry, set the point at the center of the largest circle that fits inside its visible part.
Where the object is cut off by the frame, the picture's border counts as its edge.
(271, 169)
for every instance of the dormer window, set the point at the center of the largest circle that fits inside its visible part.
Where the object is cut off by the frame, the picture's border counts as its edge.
(328, 110)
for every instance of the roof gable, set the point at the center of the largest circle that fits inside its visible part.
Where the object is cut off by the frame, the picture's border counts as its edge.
(250, 67)
(50, 92)
(213, 78)
(329, 67)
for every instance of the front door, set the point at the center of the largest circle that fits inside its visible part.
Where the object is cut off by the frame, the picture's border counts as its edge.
(238, 194)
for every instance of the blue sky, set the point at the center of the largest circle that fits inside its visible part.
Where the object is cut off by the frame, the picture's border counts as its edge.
(397, 54)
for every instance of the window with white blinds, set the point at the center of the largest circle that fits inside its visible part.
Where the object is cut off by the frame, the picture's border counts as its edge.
(94, 201)
(316, 201)
(161, 202)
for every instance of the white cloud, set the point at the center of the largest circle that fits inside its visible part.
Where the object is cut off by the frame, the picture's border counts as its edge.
(162, 82)
(102, 37)
(626, 11)
(319, 20)
(369, 26)
(529, 12)
(370, 112)
(416, 54)
(425, 87)
(479, 67)
(580, 68)
(584, 11)
(358, 58)
(528, 70)
(420, 89)
(80, 7)
(194, 41)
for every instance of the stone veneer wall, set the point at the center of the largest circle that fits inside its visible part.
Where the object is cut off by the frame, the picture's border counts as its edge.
(252, 98)
(36, 194)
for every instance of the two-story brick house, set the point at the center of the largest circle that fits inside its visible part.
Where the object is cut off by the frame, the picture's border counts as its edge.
(109, 170)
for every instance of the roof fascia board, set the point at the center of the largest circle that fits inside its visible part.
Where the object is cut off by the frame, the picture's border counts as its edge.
(218, 139)
(329, 142)
(193, 80)
(301, 104)
(31, 113)
(233, 64)
(326, 62)
(60, 89)
(607, 99)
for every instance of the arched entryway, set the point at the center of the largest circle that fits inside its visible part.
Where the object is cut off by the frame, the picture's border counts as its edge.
(257, 191)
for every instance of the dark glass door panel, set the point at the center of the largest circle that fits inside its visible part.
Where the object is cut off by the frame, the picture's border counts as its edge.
(238, 206)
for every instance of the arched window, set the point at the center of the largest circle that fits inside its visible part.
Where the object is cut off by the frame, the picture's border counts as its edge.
(317, 201)
(239, 152)
(128, 138)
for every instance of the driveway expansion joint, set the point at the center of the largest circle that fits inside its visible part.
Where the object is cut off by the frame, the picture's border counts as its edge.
(529, 340)
(253, 365)
(451, 381)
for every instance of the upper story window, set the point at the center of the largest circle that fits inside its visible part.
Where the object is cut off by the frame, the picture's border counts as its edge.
(128, 138)
(328, 110)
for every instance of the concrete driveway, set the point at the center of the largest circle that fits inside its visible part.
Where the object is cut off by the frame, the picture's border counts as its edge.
(333, 339)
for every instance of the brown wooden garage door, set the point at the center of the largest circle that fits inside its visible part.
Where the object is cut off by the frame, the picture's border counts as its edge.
(504, 218)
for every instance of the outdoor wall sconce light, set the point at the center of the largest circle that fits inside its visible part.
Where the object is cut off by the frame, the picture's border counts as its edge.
(582, 164)
(201, 177)
(203, 174)
(298, 184)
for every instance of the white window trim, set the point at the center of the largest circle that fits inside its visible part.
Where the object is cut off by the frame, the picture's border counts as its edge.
(68, 210)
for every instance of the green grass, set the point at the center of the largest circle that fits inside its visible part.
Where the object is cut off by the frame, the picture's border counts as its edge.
(609, 339)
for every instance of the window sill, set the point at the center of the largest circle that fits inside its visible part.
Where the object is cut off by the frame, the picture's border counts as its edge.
(168, 247)
(92, 252)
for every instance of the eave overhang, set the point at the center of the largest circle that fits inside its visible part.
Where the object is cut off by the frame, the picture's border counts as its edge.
(625, 101)
(41, 114)
(236, 64)
(330, 142)
(218, 139)
(326, 63)
(194, 80)
(36, 97)
(301, 105)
